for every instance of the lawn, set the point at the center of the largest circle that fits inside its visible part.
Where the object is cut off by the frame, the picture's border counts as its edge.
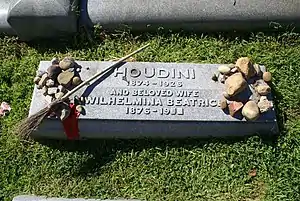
(245, 168)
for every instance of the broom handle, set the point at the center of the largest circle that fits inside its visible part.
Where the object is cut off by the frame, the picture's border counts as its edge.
(70, 93)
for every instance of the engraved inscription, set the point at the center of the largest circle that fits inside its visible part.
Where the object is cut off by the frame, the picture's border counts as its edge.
(163, 95)
(160, 111)
(119, 92)
(101, 100)
(153, 83)
(142, 101)
(150, 72)
(192, 102)
(153, 101)
(170, 84)
(151, 92)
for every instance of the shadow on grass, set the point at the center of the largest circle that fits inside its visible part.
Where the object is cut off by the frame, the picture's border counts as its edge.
(104, 151)
(280, 113)
(85, 39)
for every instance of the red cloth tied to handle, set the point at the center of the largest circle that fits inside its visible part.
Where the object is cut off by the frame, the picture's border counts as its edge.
(71, 124)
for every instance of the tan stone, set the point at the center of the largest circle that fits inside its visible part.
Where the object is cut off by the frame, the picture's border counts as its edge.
(267, 76)
(245, 66)
(224, 69)
(250, 111)
(66, 63)
(65, 78)
(76, 81)
(234, 84)
(43, 79)
(59, 95)
(263, 89)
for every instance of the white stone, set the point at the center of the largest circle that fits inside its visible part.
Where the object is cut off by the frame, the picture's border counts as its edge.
(50, 83)
(224, 69)
(264, 104)
(52, 90)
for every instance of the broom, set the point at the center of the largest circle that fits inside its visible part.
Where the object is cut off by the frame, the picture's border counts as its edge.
(28, 125)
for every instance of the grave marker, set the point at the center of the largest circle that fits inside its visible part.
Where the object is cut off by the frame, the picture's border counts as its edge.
(143, 99)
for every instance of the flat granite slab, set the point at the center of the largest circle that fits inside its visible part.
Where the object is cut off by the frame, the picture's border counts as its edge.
(143, 99)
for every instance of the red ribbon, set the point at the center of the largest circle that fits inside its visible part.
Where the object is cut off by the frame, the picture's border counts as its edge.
(71, 124)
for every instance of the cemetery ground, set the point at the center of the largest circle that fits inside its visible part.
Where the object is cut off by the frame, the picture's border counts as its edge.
(244, 168)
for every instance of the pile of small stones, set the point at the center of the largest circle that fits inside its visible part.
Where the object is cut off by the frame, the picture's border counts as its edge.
(60, 77)
(237, 78)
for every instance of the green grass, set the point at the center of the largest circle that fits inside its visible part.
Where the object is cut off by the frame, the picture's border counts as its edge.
(190, 169)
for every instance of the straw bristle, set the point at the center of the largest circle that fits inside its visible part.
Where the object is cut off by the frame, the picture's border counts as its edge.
(28, 125)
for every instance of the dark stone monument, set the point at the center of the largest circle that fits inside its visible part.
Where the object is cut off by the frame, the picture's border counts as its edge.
(199, 15)
(142, 99)
(31, 19)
